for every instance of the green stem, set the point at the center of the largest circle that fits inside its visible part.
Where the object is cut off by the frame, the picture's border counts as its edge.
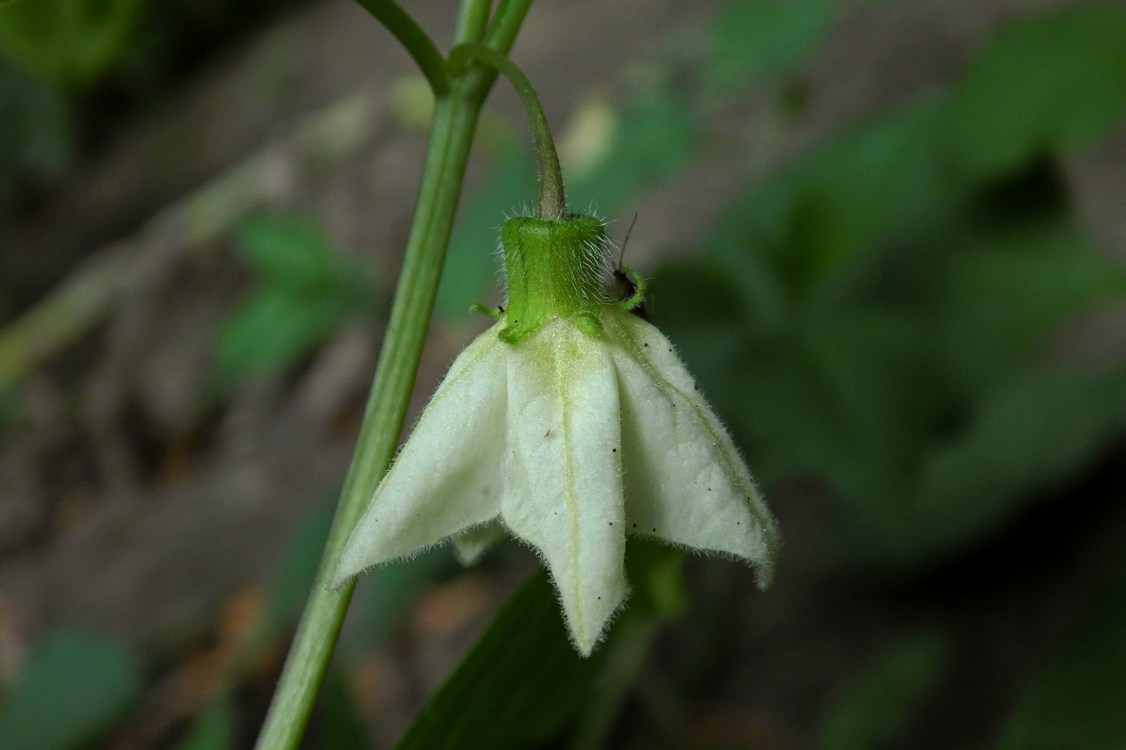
(553, 202)
(472, 20)
(455, 119)
(416, 41)
(506, 22)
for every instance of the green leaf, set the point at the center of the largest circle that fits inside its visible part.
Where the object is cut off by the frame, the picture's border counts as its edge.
(214, 729)
(12, 406)
(337, 725)
(875, 705)
(522, 684)
(1076, 700)
(1024, 440)
(304, 294)
(654, 138)
(1002, 292)
(291, 251)
(296, 571)
(837, 206)
(387, 593)
(1049, 83)
(70, 43)
(273, 328)
(763, 37)
(518, 687)
(74, 686)
(38, 139)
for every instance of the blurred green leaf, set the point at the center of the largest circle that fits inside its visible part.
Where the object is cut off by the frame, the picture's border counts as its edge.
(73, 687)
(214, 729)
(292, 252)
(1051, 82)
(70, 43)
(37, 141)
(524, 675)
(654, 138)
(1022, 442)
(840, 204)
(296, 571)
(862, 316)
(763, 37)
(1076, 700)
(380, 599)
(275, 327)
(1003, 290)
(336, 724)
(304, 294)
(384, 595)
(12, 407)
(518, 687)
(873, 707)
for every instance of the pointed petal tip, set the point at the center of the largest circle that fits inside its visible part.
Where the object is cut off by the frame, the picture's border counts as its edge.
(348, 568)
(471, 544)
(764, 575)
(589, 635)
(765, 563)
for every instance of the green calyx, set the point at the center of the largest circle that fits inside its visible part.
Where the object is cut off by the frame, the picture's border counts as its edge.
(554, 270)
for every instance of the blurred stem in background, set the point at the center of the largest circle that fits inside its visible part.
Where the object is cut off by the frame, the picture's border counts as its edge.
(457, 105)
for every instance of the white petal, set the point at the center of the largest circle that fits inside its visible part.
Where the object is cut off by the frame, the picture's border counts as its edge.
(562, 483)
(447, 476)
(685, 480)
(470, 544)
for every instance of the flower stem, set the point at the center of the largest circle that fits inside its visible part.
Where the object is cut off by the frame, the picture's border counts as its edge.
(455, 119)
(414, 39)
(472, 20)
(506, 23)
(553, 201)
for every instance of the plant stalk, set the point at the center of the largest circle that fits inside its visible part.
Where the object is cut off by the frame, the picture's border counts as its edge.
(455, 118)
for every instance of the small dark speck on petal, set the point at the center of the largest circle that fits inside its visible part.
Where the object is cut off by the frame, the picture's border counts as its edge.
(611, 523)
(647, 343)
(635, 526)
(654, 529)
(613, 450)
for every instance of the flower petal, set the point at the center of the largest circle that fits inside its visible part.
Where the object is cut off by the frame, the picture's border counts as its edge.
(470, 544)
(685, 480)
(562, 481)
(447, 477)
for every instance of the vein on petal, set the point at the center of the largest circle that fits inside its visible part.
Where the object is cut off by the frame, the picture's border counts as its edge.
(568, 474)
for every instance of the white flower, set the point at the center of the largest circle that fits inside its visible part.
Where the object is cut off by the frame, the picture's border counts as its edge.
(573, 424)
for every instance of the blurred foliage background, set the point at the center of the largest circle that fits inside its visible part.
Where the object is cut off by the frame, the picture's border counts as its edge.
(888, 238)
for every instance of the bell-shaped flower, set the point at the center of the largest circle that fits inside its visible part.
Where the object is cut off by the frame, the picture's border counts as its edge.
(572, 423)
